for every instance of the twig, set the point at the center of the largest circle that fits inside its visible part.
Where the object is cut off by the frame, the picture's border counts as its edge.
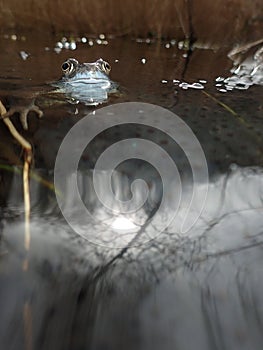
(27, 161)
(27, 311)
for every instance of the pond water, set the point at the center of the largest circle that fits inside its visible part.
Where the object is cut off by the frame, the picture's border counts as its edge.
(114, 280)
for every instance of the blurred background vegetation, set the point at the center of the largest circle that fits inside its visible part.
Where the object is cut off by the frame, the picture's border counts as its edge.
(205, 22)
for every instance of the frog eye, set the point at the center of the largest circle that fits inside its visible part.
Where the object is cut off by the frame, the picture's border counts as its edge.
(68, 66)
(106, 67)
(65, 66)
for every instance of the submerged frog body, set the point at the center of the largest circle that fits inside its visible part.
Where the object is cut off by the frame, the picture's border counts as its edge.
(88, 83)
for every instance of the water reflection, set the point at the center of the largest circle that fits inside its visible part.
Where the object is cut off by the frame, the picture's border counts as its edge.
(202, 289)
(211, 273)
(245, 74)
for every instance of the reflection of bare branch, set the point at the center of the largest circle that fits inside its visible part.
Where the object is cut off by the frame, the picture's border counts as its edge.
(124, 250)
(213, 223)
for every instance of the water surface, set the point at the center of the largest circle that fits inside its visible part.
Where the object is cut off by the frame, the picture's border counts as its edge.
(201, 289)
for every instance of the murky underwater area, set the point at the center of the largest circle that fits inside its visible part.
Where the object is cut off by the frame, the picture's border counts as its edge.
(140, 279)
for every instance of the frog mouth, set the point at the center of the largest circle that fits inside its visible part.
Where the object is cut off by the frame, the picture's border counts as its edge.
(103, 83)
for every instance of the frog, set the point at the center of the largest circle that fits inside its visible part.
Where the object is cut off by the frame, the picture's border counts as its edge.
(86, 83)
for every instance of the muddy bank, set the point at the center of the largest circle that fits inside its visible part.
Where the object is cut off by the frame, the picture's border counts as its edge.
(203, 21)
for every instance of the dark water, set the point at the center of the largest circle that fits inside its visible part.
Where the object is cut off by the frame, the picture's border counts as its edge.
(199, 289)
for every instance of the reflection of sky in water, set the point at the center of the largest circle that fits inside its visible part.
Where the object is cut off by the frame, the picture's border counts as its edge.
(122, 223)
(232, 217)
(174, 286)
